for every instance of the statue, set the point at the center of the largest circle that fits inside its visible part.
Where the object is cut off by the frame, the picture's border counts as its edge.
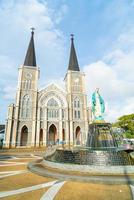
(98, 106)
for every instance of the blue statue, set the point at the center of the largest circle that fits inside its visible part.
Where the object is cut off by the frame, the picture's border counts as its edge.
(98, 105)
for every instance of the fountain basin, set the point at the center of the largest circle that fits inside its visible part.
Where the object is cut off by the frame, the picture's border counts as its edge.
(99, 157)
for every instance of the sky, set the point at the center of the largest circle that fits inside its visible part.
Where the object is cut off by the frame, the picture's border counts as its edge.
(104, 41)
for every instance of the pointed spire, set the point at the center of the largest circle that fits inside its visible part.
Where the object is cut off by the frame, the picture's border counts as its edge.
(73, 62)
(30, 59)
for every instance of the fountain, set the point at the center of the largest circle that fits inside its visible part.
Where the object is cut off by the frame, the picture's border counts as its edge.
(101, 148)
(100, 156)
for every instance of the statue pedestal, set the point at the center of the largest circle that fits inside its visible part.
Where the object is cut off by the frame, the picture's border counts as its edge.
(100, 135)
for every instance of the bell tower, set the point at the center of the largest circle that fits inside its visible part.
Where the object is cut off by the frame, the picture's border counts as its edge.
(22, 126)
(77, 99)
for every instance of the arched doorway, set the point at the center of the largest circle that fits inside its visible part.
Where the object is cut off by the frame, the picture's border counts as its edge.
(24, 136)
(41, 137)
(77, 135)
(52, 137)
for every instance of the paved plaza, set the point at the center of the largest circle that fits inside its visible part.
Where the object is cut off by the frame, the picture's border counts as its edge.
(17, 182)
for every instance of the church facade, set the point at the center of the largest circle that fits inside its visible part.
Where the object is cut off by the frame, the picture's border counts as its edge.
(53, 115)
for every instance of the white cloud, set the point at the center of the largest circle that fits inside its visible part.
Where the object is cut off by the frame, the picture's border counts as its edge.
(9, 92)
(114, 75)
(16, 19)
(120, 108)
(62, 11)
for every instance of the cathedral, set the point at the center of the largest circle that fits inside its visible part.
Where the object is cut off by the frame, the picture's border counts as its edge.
(52, 115)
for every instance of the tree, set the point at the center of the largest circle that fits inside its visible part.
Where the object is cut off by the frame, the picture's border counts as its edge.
(126, 122)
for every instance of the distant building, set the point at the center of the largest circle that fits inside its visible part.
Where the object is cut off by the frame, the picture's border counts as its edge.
(52, 115)
(2, 131)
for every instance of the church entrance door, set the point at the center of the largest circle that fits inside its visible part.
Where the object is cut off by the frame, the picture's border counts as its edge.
(24, 136)
(63, 134)
(77, 135)
(41, 137)
(52, 134)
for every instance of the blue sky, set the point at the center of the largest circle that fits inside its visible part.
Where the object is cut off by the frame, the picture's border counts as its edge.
(104, 41)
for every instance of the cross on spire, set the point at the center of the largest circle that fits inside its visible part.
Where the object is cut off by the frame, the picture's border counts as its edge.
(33, 29)
(72, 36)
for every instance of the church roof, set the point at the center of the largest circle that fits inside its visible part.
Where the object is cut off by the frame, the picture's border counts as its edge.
(53, 86)
(30, 59)
(73, 62)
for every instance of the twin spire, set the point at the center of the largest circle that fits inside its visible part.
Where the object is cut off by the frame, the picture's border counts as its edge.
(30, 59)
(73, 62)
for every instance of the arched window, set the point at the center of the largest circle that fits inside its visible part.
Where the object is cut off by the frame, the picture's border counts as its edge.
(52, 109)
(78, 114)
(26, 106)
(41, 113)
(63, 114)
(77, 108)
(76, 103)
(52, 102)
(27, 84)
(75, 113)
